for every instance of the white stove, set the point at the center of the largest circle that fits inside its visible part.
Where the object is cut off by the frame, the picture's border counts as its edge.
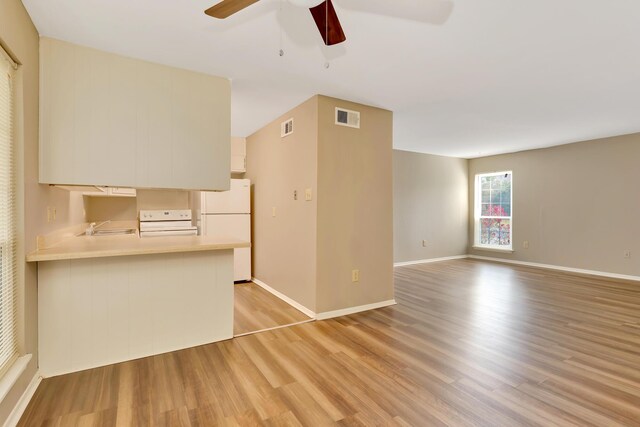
(176, 222)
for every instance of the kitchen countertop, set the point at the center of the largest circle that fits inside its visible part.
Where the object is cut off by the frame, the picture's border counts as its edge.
(127, 245)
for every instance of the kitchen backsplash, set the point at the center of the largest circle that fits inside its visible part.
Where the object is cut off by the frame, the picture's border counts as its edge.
(127, 208)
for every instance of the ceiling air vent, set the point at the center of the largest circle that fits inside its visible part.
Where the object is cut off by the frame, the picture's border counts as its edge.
(286, 128)
(347, 118)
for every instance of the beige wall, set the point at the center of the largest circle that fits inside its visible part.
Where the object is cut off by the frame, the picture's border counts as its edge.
(19, 36)
(355, 207)
(127, 208)
(110, 209)
(430, 202)
(308, 250)
(284, 246)
(162, 199)
(578, 205)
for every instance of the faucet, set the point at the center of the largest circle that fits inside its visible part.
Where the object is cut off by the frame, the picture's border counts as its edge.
(91, 229)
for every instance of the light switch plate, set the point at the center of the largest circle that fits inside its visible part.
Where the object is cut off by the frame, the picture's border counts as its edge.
(307, 194)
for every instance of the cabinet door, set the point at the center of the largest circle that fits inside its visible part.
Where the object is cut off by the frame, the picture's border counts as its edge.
(113, 121)
(238, 164)
(238, 155)
(200, 119)
(155, 128)
(57, 154)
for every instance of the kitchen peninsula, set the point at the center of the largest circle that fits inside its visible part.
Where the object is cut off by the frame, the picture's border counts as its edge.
(108, 299)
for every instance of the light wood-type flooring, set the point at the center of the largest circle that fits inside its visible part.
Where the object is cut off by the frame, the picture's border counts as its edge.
(469, 343)
(256, 309)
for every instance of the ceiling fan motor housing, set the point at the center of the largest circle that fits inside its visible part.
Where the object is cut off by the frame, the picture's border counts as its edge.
(322, 11)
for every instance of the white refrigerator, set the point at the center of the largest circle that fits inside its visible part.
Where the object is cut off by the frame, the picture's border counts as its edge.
(228, 214)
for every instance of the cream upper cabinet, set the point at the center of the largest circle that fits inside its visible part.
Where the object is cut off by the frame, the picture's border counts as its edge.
(238, 155)
(108, 120)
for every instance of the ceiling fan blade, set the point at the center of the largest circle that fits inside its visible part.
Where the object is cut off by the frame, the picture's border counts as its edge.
(328, 23)
(226, 8)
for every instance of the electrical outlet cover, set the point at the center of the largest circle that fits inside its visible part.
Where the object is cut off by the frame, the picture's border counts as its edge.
(355, 275)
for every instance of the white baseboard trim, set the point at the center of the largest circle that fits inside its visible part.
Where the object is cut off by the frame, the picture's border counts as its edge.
(527, 264)
(18, 410)
(285, 298)
(352, 310)
(559, 268)
(427, 261)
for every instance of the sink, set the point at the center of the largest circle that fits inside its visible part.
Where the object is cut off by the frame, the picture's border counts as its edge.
(114, 231)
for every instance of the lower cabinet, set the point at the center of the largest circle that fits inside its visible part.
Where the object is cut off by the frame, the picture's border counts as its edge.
(99, 311)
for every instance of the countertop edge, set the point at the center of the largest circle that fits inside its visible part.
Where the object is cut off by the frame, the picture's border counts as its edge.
(39, 256)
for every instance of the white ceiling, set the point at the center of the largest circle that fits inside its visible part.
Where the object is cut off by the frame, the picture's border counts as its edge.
(467, 78)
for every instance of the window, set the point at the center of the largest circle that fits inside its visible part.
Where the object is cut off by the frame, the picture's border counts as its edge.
(8, 264)
(493, 222)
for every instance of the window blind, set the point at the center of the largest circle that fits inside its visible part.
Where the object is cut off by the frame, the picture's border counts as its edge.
(8, 264)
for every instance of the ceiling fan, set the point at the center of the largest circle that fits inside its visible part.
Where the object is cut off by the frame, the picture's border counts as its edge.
(323, 12)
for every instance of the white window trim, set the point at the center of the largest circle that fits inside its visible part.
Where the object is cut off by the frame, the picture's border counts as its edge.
(477, 204)
(14, 364)
(13, 374)
(494, 248)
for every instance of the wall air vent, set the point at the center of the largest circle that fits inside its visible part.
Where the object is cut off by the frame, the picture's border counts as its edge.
(286, 128)
(347, 118)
